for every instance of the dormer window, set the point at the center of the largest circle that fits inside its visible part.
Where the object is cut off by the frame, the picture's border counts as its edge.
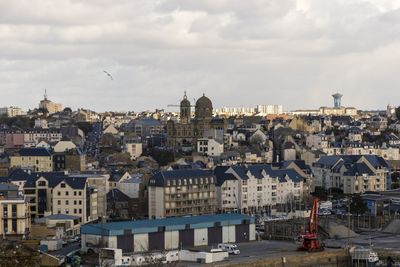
(62, 185)
(41, 183)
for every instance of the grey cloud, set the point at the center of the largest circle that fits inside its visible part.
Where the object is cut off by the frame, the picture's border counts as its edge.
(294, 53)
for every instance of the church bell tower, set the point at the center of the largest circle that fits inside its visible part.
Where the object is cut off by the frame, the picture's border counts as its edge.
(185, 110)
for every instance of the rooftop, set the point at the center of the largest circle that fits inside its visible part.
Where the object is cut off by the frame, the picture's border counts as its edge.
(170, 224)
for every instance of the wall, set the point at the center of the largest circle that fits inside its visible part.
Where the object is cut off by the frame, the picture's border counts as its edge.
(302, 259)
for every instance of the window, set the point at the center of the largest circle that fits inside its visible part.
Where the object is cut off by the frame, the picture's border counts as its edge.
(66, 211)
(74, 202)
(59, 202)
(80, 193)
(66, 202)
(58, 193)
(74, 211)
(75, 193)
(80, 202)
(14, 225)
(62, 185)
(66, 193)
(80, 211)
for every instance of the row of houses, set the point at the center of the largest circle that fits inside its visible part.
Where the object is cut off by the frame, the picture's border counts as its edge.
(29, 137)
(66, 156)
(352, 173)
(240, 188)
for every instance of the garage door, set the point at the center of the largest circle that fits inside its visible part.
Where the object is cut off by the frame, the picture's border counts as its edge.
(214, 235)
(156, 241)
(186, 238)
(242, 233)
(125, 242)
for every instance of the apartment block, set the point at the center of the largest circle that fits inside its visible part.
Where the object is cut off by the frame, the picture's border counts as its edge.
(352, 173)
(256, 188)
(14, 213)
(181, 193)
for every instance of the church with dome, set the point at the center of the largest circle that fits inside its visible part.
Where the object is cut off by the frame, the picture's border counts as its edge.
(186, 132)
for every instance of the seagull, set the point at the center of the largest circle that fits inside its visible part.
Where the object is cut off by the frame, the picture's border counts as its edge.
(108, 74)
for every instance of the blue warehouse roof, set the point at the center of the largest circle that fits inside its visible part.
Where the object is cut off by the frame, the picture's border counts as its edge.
(170, 224)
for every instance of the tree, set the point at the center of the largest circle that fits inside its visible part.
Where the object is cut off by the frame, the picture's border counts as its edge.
(163, 157)
(357, 205)
(321, 193)
(395, 180)
(397, 111)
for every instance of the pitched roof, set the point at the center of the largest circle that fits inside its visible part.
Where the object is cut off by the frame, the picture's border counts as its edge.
(19, 175)
(327, 161)
(34, 152)
(221, 175)
(359, 169)
(376, 161)
(55, 178)
(241, 171)
(160, 178)
(115, 195)
(290, 173)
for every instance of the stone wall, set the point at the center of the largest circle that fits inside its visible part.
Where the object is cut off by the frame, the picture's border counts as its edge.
(325, 259)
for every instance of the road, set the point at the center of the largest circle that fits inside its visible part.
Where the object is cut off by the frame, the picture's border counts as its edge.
(272, 249)
(257, 250)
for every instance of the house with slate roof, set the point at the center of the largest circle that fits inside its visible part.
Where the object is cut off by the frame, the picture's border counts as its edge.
(57, 193)
(351, 173)
(181, 192)
(37, 159)
(256, 188)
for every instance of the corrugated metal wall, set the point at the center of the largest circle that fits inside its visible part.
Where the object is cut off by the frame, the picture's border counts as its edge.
(242, 233)
(186, 238)
(125, 242)
(156, 241)
(214, 235)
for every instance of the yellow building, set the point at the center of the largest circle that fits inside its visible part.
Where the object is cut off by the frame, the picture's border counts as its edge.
(48, 106)
(14, 213)
(37, 159)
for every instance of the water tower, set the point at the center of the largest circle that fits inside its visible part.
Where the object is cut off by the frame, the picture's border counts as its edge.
(337, 100)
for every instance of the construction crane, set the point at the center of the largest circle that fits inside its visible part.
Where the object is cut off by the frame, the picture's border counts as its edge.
(310, 241)
(194, 100)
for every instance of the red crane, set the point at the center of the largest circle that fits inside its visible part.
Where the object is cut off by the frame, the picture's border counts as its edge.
(310, 240)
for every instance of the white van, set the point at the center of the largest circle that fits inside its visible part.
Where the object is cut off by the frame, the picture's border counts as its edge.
(230, 248)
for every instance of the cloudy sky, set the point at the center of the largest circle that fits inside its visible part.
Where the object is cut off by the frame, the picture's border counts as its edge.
(239, 53)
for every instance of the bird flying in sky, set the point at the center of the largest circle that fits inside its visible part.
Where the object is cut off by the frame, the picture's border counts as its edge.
(108, 74)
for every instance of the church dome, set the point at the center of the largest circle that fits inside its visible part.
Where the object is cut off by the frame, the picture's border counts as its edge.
(203, 108)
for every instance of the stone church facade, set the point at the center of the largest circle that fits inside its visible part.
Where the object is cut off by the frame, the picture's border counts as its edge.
(186, 132)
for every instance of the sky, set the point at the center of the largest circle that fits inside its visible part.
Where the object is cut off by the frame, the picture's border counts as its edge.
(238, 53)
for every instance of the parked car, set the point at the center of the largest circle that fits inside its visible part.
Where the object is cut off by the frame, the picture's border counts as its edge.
(230, 248)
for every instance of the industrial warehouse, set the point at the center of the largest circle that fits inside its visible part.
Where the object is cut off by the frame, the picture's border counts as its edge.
(169, 233)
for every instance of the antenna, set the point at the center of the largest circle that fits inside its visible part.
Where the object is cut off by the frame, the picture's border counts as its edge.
(45, 94)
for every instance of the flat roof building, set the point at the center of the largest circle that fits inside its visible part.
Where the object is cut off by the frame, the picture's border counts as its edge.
(169, 233)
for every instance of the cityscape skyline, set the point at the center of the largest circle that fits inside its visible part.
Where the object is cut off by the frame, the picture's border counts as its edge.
(171, 107)
(233, 52)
